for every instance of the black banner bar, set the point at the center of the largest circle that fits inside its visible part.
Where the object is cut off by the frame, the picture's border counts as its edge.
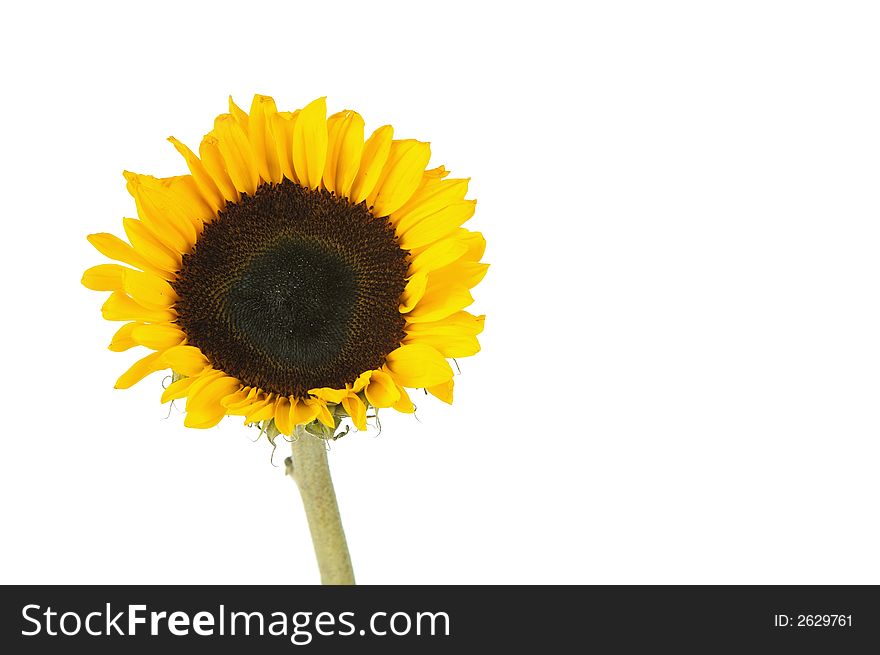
(111, 619)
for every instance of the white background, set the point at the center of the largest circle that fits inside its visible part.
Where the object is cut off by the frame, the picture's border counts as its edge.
(680, 372)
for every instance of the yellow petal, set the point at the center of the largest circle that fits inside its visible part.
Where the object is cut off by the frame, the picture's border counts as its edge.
(373, 159)
(356, 410)
(329, 395)
(463, 323)
(404, 404)
(149, 290)
(282, 416)
(104, 277)
(448, 345)
(262, 411)
(437, 255)
(432, 195)
(123, 340)
(442, 391)
(161, 212)
(113, 247)
(177, 390)
(440, 302)
(302, 411)
(202, 178)
(400, 176)
(234, 398)
(344, 148)
(447, 291)
(310, 143)
(200, 381)
(262, 138)
(381, 391)
(240, 115)
(203, 407)
(438, 225)
(321, 412)
(121, 307)
(158, 336)
(212, 159)
(282, 127)
(416, 365)
(241, 401)
(474, 241)
(237, 154)
(186, 360)
(413, 292)
(460, 274)
(182, 192)
(139, 370)
(148, 245)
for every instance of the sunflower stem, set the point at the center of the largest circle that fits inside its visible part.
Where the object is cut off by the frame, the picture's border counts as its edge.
(311, 472)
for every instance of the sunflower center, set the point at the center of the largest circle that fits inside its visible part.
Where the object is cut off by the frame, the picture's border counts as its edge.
(290, 290)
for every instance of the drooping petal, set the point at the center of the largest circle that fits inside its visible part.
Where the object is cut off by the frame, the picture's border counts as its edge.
(442, 391)
(404, 404)
(239, 402)
(203, 407)
(381, 391)
(322, 413)
(329, 395)
(373, 159)
(262, 411)
(400, 176)
(356, 410)
(417, 365)
(302, 412)
(200, 381)
(282, 415)
(310, 143)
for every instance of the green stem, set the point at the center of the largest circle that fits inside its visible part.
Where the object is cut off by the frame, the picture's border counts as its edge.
(311, 472)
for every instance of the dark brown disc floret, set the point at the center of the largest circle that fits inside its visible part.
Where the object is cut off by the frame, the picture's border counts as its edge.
(291, 289)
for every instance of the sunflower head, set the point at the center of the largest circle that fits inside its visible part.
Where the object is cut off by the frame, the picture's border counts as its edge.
(298, 275)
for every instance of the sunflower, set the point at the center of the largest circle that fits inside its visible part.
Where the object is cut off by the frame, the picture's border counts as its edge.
(298, 275)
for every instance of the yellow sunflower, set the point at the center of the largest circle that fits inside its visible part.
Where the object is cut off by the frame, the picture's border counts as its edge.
(298, 274)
